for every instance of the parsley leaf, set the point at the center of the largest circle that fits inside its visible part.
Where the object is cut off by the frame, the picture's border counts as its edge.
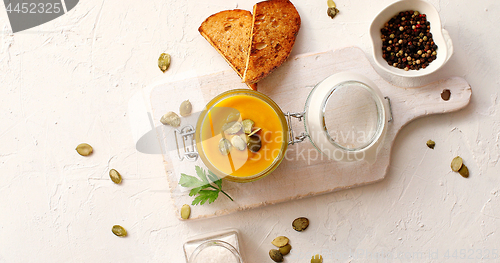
(215, 179)
(204, 196)
(190, 181)
(201, 173)
(207, 188)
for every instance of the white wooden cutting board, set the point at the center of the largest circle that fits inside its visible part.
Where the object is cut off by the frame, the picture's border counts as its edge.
(304, 172)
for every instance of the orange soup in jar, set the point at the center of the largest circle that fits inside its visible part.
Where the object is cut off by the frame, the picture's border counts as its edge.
(261, 129)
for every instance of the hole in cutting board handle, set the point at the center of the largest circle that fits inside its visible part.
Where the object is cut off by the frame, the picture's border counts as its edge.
(445, 95)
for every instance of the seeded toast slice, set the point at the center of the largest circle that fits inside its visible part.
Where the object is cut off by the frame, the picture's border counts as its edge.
(275, 26)
(229, 33)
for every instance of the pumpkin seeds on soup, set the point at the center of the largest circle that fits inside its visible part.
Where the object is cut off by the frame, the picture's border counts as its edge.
(247, 126)
(224, 146)
(119, 231)
(232, 127)
(171, 118)
(238, 143)
(115, 176)
(234, 115)
(300, 224)
(254, 143)
(456, 164)
(84, 149)
(185, 108)
(164, 62)
(254, 131)
(245, 138)
(276, 255)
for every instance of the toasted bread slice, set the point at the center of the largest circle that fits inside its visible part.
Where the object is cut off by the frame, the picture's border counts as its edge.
(275, 26)
(229, 33)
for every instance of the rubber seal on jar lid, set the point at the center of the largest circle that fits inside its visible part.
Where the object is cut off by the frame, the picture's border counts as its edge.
(346, 117)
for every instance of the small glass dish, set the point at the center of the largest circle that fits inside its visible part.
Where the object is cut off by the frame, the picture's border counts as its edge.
(218, 247)
(440, 36)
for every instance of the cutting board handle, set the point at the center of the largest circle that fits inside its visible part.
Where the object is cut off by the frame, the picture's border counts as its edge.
(411, 103)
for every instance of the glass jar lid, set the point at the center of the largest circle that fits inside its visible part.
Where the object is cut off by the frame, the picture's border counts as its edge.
(345, 117)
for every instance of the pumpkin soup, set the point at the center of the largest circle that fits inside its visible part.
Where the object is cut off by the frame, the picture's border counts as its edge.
(227, 141)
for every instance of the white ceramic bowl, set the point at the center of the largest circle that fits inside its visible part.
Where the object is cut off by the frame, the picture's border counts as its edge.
(440, 36)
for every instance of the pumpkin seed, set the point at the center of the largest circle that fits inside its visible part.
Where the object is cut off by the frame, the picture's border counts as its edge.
(276, 255)
(317, 259)
(456, 164)
(247, 126)
(245, 138)
(431, 144)
(254, 131)
(84, 149)
(238, 143)
(224, 146)
(254, 143)
(164, 62)
(171, 118)
(285, 249)
(300, 224)
(234, 115)
(227, 125)
(280, 241)
(464, 171)
(332, 12)
(185, 211)
(185, 108)
(332, 9)
(232, 127)
(115, 176)
(119, 231)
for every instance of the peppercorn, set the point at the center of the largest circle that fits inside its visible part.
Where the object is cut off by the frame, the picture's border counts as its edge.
(407, 41)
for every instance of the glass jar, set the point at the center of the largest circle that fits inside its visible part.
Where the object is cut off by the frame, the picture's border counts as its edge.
(218, 247)
(345, 117)
(239, 105)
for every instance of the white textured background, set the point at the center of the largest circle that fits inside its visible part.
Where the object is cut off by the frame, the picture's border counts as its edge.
(71, 80)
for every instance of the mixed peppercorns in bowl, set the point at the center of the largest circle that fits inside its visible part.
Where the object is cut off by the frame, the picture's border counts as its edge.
(408, 39)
